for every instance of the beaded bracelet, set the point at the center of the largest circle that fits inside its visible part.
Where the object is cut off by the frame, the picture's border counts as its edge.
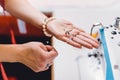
(44, 26)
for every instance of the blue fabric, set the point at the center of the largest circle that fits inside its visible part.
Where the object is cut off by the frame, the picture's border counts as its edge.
(109, 72)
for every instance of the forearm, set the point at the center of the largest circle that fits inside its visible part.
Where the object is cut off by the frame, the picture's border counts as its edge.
(9, 52)
(24, 10)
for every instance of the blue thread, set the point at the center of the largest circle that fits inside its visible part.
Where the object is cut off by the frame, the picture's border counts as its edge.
(109, 73)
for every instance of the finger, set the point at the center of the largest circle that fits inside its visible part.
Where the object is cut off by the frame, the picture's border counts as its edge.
(80, 30)
(48, 65)
(67, 22)
(88, 36)
(50, 48)
(89, 39)
(73, 43)
(83, 42)
(93, 43)
(43, 46)
(74, 32)
(51, 63)
(52, 54)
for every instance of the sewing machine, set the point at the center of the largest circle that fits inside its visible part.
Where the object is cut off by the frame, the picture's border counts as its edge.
(107, 54)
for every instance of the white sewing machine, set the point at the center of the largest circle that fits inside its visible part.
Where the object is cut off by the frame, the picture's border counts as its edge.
(110, 40)
(107, 63)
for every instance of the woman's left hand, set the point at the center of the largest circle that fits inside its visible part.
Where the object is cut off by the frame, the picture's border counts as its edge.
(67, 32)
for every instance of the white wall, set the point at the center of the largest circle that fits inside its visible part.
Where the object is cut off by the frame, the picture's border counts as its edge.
(82, 3)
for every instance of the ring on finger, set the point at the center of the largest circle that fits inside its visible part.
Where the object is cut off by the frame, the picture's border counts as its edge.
(47, 66)
(71, 37)
(67, 32)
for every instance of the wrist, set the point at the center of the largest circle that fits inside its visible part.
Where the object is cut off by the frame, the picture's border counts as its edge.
(11, 54)
(45, 26)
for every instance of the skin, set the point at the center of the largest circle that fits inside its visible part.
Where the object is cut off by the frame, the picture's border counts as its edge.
(36, 55)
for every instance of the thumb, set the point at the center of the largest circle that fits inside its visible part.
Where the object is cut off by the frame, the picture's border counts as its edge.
(51, 50)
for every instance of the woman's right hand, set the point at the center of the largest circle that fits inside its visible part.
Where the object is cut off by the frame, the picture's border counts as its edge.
(37, 56)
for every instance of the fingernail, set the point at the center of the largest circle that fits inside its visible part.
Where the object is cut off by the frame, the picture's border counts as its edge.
(96, 45)
(90, 47)
(79, 46)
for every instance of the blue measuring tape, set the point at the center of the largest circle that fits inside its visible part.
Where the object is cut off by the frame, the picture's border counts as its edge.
(109, 72)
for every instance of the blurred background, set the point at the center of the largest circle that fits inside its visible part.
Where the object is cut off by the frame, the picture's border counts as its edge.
(82, 13)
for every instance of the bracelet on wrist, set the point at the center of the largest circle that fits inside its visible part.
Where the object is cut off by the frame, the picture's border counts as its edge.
(44, 26)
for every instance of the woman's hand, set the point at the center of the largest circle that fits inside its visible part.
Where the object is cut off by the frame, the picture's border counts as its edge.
(67, 32)
(37, 56)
